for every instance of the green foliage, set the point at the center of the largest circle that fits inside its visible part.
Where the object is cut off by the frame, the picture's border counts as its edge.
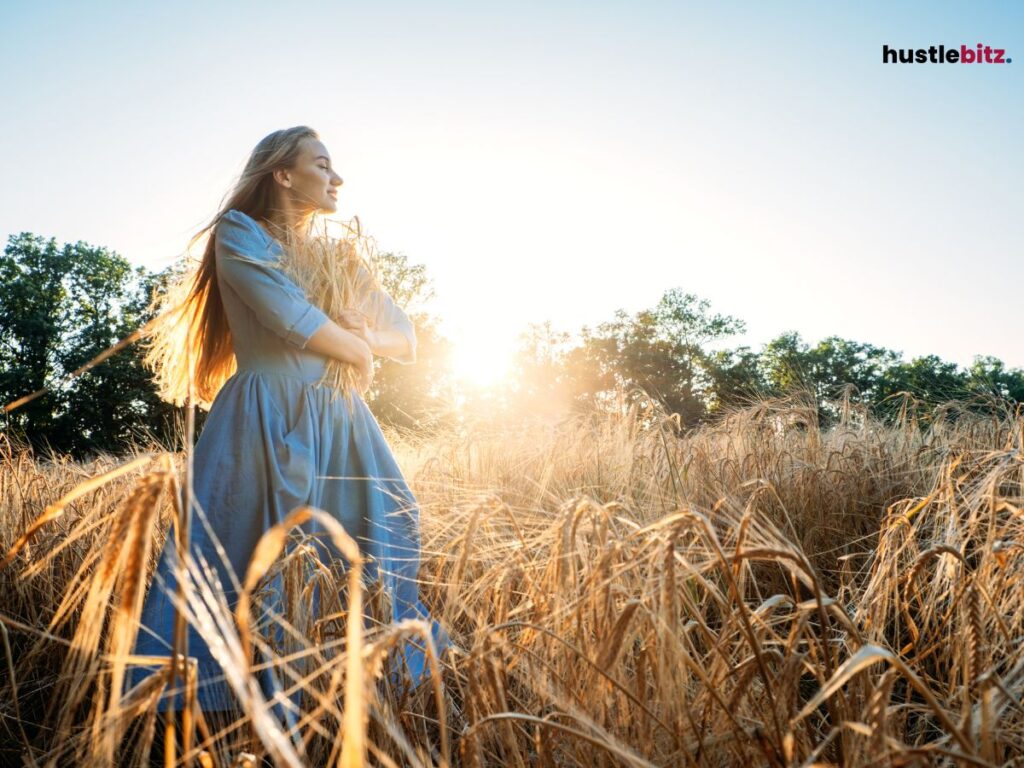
(833, 365)
(989, 375)
(59, 308)
(657, 353)
(738, 377)
(661, 353)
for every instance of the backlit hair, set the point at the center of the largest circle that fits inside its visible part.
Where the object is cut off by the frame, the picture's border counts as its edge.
(191, 337)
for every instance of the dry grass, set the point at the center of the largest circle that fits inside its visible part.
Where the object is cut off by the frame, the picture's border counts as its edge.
(759, 592)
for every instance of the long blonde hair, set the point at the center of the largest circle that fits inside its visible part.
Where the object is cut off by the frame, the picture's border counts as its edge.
(190, 337)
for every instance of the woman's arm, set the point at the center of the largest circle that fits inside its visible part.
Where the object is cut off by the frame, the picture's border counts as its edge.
(393, 342)
(331, 340)
(388, 342)
(394, 331)
(382, 324)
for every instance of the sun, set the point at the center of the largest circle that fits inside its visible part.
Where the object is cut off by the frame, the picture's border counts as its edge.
(479, 363)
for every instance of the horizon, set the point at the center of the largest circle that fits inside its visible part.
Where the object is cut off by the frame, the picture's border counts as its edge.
(583, 159)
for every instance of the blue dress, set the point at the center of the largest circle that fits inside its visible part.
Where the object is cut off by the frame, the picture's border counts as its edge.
(274, 440)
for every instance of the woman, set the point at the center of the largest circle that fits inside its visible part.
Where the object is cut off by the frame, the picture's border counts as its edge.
(276, 436)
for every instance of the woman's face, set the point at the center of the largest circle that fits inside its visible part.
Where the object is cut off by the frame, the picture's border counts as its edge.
(312, 183)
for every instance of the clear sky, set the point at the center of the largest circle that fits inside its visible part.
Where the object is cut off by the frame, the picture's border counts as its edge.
(559, 161)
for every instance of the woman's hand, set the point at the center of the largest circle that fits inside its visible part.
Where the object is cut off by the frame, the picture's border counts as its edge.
(355, 321)
(348, 346)
(364, 371)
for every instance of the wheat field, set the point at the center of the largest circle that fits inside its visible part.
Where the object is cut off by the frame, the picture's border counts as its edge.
(760, 591)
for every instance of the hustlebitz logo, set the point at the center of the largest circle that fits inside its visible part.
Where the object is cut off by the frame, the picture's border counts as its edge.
(940, 54)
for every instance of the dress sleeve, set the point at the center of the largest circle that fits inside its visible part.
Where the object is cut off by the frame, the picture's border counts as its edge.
(244, 263)
(391, 317)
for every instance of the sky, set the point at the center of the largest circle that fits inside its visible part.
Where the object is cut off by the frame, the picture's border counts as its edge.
(561, 161)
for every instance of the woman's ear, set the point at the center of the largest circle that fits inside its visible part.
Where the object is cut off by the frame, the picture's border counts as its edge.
(283, 177)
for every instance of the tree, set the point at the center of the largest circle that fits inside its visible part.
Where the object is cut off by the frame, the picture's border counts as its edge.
(827, 368)
(59, 308)
(929, 378)
(736, 377)
(660, 351)
(540, 383)
(32, 320)
(989, 375)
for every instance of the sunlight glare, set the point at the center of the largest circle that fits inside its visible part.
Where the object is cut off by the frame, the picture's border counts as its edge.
(480, 363)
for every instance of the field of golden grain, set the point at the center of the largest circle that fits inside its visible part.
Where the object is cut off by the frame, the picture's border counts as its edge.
(758, 592)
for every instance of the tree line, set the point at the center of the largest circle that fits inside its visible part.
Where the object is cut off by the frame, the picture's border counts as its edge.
(62, 305)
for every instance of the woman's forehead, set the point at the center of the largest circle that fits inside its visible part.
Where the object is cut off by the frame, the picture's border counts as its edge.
(315, 147)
